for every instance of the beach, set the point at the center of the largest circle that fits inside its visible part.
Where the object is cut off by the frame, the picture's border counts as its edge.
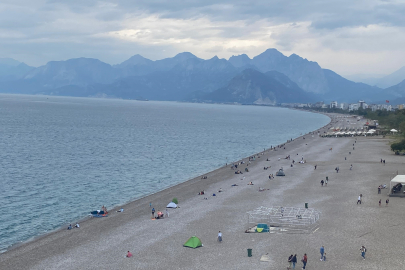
(344, 226)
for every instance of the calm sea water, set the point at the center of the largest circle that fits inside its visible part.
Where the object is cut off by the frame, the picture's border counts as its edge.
(62, 157)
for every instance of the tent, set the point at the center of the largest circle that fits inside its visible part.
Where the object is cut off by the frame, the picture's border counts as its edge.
(193, 242)
(399, 179)
(262, 227)
(171, 205)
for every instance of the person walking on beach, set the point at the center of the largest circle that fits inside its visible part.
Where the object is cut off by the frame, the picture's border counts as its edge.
(322, 182)
(379, 190)
(322, 251)
(290, 261)
(363, 251)
(304, 261)
(379, 202)
(153, 212)
(386, 202)
(351, 166)
(294, 261)
(315, 167)
(220, 237)
(359, 200)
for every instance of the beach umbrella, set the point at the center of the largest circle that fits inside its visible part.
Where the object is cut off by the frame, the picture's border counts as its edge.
(394, 130)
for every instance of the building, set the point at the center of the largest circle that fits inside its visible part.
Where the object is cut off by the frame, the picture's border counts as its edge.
(334, 104)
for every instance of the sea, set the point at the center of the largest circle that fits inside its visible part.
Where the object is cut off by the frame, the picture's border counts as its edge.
(62, 157)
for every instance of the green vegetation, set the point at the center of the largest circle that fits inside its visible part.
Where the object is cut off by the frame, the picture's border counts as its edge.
(175, 200)
(388, 119)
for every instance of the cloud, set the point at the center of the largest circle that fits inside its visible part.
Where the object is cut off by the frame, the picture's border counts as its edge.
(344, 35)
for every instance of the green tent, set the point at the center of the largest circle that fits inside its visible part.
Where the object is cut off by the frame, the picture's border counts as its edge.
(193, 242)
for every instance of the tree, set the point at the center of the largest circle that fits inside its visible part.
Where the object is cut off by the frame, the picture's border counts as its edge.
(402, 128)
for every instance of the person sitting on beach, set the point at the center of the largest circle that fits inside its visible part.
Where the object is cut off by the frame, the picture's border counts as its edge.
(251, 184)
(234, 185)
(121, 210)
(69, 227)
(220, 190)
(77, 225)
(129, 254)
(261, 189)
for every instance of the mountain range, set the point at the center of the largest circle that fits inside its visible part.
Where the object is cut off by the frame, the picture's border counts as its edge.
(268, 78)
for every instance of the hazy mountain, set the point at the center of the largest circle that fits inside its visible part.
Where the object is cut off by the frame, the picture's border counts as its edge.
(308, 75)
(370, 79)
(347, 91)
(187, 76)
(11, 69)
(77, 71)
(253, 87)
(382, 81)
(184, 77)
(392, 79)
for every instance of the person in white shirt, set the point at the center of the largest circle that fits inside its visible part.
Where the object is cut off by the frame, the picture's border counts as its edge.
(220, 237)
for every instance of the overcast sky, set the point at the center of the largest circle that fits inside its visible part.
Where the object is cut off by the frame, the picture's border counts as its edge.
(347, 36)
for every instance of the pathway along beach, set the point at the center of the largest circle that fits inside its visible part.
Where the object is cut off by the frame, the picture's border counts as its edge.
(344, 226)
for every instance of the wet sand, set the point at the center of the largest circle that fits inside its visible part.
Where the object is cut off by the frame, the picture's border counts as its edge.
(157, 244)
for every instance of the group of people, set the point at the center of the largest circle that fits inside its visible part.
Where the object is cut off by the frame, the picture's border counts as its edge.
(292, 260)
(324, 182)
(76, 226)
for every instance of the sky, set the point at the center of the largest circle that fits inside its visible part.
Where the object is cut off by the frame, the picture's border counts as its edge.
(347, 36)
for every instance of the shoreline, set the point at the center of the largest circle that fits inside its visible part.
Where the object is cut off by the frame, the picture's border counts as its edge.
(344, 226)
(86, 219)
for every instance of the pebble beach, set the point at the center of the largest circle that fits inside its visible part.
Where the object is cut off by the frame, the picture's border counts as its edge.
(344, 226)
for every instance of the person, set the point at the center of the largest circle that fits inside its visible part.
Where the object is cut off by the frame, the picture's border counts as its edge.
(129, 254)
(69, 227)
(351, 166)
(77, 225)
(379, 202)
(322, 251)
(379, 190)
(294, 261)
(363, 251)
(167, 213)
(153, 211)
(326, 182)
(290, 261)
(386, 202)
(324, 257)
(359, 200)
(220, 237)
(304, 261)
(322, 182)
(315, 166)
(150, 205)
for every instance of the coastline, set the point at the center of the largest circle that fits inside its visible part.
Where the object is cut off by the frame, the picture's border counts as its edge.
(152, 196)
(158, 244)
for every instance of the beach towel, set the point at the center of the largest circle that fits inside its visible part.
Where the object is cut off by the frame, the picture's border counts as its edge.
(265, 258)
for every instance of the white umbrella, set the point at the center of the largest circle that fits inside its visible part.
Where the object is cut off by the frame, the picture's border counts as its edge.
(394, 130)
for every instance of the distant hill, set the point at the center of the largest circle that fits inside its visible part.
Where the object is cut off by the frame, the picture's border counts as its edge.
(11, 69)
(183, 77)
(308, 75)
(253, 87)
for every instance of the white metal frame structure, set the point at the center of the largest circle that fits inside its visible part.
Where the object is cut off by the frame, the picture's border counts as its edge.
(286, 219)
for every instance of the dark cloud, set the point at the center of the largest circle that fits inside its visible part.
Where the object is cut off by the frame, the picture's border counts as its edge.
(37, 31)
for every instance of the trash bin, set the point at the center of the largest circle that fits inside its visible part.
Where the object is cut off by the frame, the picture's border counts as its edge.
(306, 205)
(249, 252)
(327, 178)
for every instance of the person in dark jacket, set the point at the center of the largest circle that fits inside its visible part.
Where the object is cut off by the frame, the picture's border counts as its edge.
(290, 261)
(294, 261)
